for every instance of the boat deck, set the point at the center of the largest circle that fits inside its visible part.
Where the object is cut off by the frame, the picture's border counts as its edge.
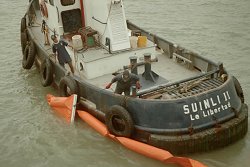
(98, 60)
(168, 70)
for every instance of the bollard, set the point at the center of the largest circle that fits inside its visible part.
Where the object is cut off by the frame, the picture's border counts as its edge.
(148, 73)
(133, 64)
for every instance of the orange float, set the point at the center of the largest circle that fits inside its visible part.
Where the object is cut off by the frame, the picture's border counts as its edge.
(43, 8)
(141, 148)
(64, 104)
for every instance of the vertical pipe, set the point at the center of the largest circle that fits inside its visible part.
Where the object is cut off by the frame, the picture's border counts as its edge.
(147, 66)
(83, 16)
(133, 64)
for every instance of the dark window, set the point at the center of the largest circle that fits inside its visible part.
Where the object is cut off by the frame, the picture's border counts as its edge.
(71, 20)
(67, 2)
(51, 2)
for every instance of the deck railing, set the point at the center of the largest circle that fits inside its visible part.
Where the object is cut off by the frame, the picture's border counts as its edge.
(170, 49)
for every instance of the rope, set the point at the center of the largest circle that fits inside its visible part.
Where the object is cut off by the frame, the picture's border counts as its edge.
(107, 18)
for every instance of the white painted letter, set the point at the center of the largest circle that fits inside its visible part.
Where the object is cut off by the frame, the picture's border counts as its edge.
(213, 103)
(194, 107)
(218, 98)
(186, 109)
(206, 104)
(228, 95)
(225, 96)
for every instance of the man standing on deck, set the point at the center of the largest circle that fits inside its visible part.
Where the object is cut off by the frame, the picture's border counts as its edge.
(59, 49)
(124, 82)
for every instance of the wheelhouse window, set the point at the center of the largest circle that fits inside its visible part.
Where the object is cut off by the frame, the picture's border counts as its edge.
(67, 2)
(51, 2)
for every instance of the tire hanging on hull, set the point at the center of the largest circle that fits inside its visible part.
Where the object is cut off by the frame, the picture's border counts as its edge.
(24, 40)
(119, 121)
(29, 55)
(67, 87)
(23, 24)
(23, 33)
(46, 72)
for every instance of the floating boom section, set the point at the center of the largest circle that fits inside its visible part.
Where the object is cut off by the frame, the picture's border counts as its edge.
(64, 106)
(141, 148)
(108, 18)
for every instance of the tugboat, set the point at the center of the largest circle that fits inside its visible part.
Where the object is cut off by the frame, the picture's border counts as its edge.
(186, 103)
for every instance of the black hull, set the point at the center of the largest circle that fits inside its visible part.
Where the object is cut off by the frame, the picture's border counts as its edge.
(206, 140)
(204, 137)
(201, 122)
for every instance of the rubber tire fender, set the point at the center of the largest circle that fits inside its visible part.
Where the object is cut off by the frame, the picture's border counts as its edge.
(24, 40)
(118, 112)
(67, 87)
(239, 89)
(23, 24)
(29, 55)
(46, 72)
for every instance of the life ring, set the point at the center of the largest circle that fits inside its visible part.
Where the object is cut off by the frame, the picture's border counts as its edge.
(119, 121)
(67, 87)
(239, 89)
(43, 8)
(46, 72)
(24, 40)
(29, 55)
(23, 24)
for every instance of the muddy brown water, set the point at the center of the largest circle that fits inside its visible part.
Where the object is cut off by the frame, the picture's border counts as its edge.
(33, 136)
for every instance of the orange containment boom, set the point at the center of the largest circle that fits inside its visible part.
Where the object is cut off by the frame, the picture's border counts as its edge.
(64, 106)
(141, 148)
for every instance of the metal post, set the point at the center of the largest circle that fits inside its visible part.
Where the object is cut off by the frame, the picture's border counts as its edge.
(133, 64)
(148, 73)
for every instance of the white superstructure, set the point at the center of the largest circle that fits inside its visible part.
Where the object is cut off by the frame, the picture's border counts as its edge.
(107, 17)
